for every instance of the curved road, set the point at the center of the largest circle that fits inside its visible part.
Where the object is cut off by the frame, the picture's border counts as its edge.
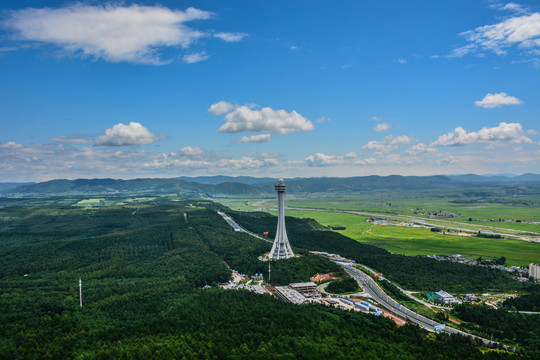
(391, 305)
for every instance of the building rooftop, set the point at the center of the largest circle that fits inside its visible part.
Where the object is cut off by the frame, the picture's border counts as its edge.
(290, 295)
(302, 284)
(442, 293)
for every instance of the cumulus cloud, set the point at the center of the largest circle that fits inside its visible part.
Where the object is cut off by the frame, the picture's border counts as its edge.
(388, 144)
(491, 101)
(245, 118)
(221, 107)
(112, 32)
(520, 31)
(382, 127)
(11, 145)
(320, 159)
(122, 135)
(366, 161)
(512, 132)
(195, 57)
(421, 148)
(260, 138)
(189, 152)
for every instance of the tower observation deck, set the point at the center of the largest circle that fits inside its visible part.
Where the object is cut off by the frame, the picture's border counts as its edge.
(281, 249)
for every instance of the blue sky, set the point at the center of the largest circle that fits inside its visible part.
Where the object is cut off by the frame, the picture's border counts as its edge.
(268, 88)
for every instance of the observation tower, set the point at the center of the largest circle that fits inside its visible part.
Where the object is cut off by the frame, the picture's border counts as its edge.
(281, 249)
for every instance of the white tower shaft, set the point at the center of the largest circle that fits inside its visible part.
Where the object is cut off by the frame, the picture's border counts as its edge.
(80, 293)
(281, 249)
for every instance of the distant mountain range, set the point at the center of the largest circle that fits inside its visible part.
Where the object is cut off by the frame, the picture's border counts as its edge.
(245, 185)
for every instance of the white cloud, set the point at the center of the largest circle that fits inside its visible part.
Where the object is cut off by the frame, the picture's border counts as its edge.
(521, 31)
(421, 148)
(512, 132)
(11, 145)
(462, 51)
(122, 135)
(112, 32)
(402, 61)
(382, 127)
(491, 101)
(388, 144)
(72, 139)
(221, 107)
(230, 37)
(320, 159)
(376, 118)
(241, 164)
(532, 132)
(366, 161)
(195, 57)
(244, 118)
(512, 7)
(260, 138)
(189, 152)
(447, 161)
(323, 120)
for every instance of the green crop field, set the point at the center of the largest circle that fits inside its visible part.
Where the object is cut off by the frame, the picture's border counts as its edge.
(419, 241)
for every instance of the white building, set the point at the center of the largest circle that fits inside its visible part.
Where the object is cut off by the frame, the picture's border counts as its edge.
(446, 298)
(287, 294)
(534, 271)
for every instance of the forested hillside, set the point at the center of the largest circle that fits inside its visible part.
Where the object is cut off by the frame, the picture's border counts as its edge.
(413, 273)
(142, 269)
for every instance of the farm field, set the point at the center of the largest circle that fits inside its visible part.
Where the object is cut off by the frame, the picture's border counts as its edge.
(417, 241)
(421, 241)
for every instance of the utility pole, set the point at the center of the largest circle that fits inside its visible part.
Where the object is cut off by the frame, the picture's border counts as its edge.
(80, 293)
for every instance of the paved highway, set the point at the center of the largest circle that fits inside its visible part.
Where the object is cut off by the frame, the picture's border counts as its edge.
(407, 293)
(391, 305)
(238, 228)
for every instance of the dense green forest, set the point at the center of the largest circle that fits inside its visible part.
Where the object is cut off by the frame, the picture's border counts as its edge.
(518, 329)
(527, 302)
(343, 286)
(410, 272)
(142, 269)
